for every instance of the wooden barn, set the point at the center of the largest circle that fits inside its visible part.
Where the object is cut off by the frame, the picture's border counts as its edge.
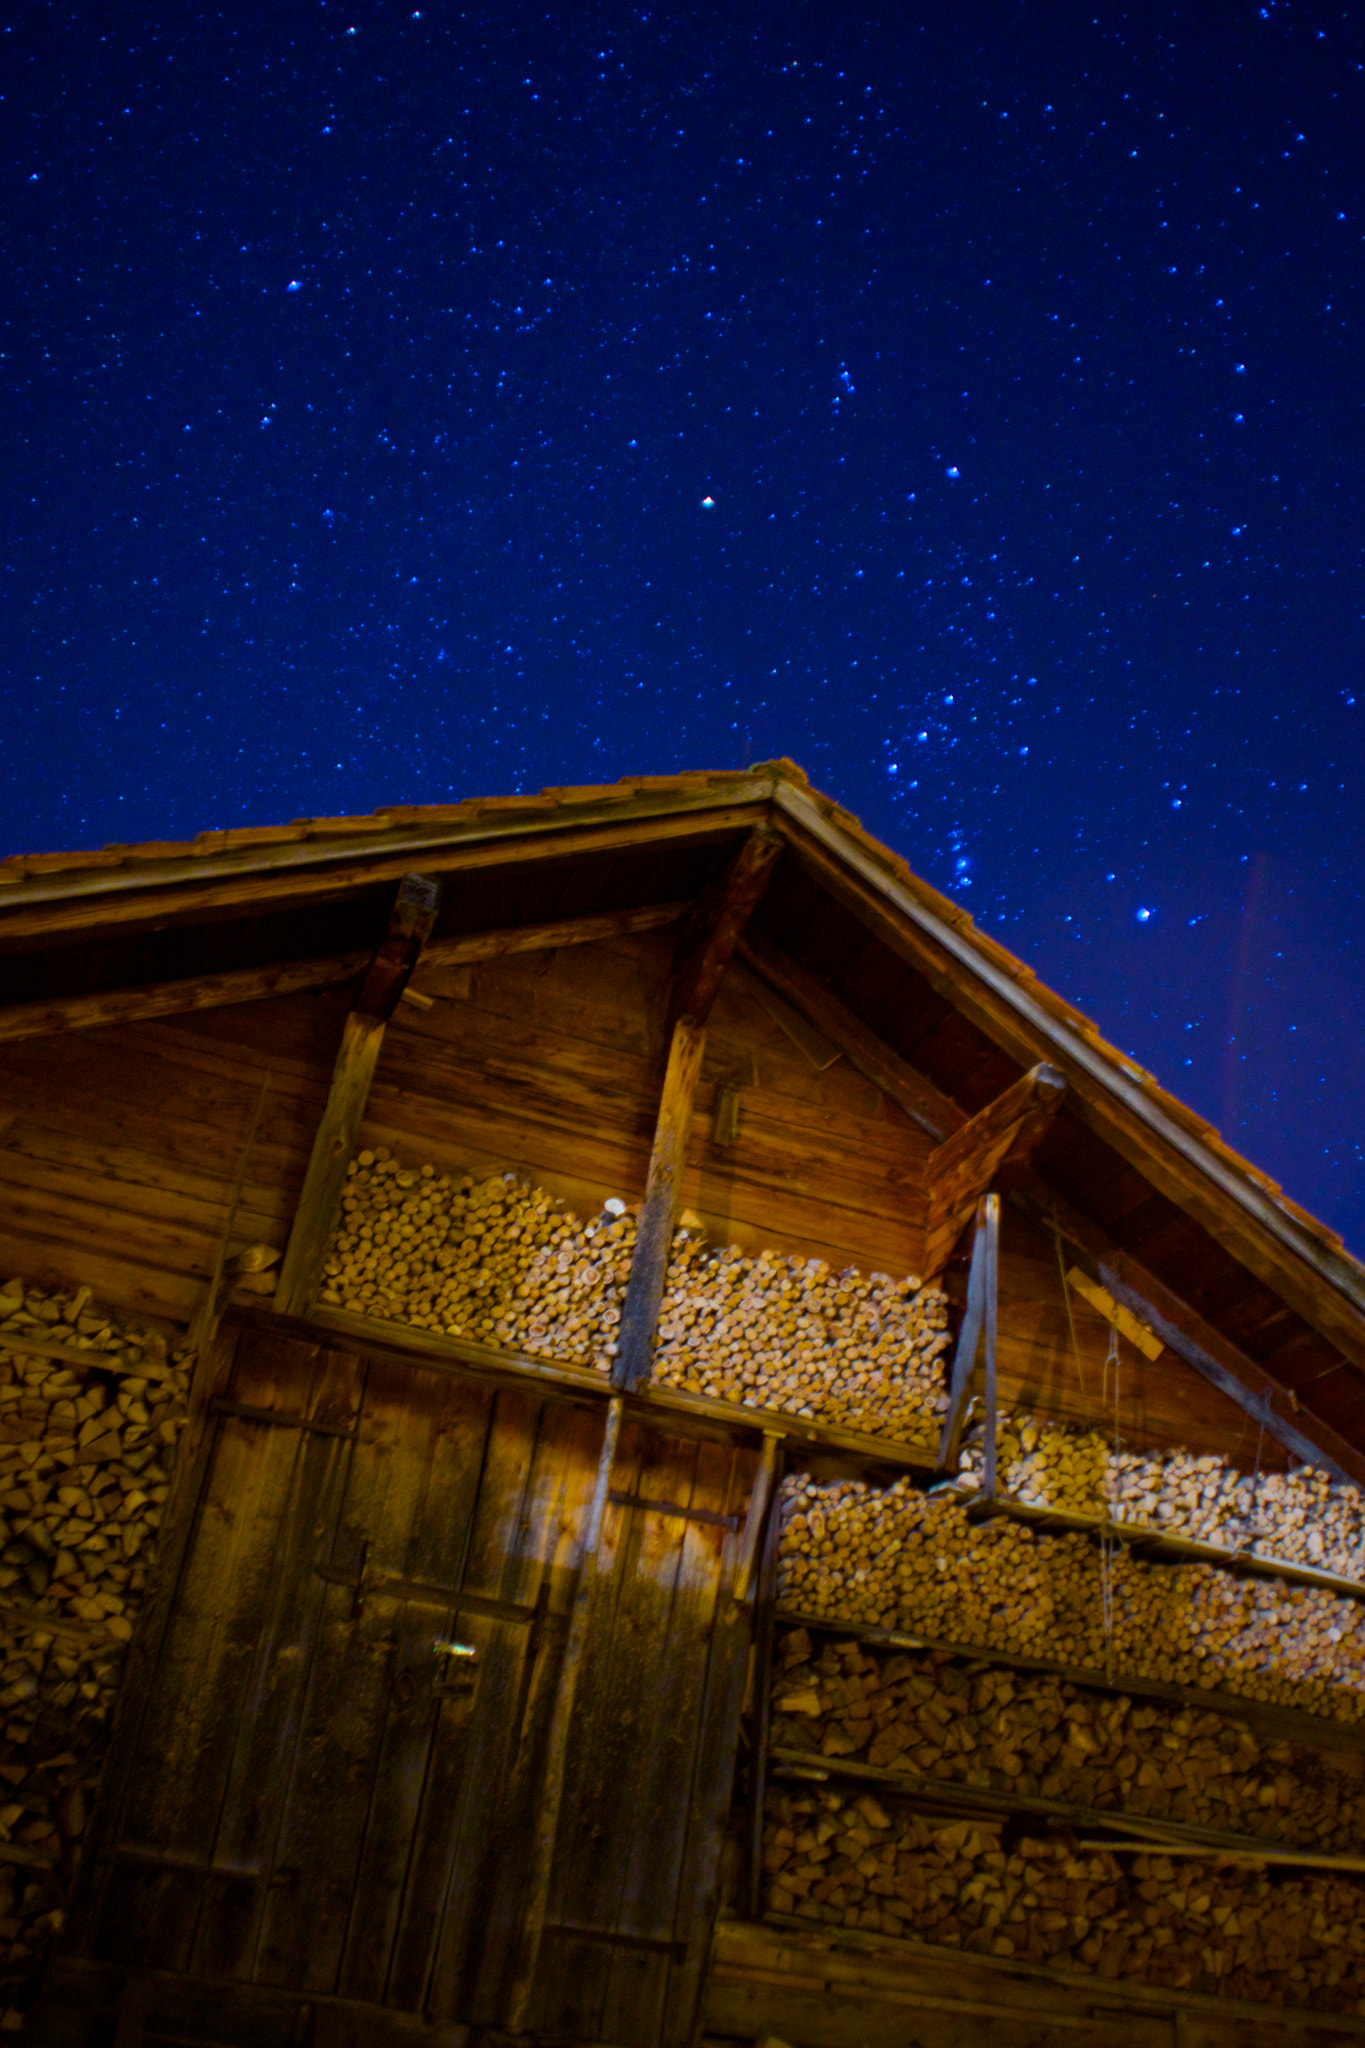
(615, 1428)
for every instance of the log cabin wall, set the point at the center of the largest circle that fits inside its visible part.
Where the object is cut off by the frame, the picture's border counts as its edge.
(473, 1686)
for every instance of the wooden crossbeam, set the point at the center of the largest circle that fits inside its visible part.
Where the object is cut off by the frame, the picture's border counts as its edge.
(978, 1324)
(410, 923)
(1001, 1136)
(328, 970)
(861, 1047)
(1183, 1330)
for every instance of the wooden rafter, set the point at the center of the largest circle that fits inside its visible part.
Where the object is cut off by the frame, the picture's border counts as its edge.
(1000, 1137)
(141, 894)
(1184, 1331)
(258, 984)
(410, 923)
(712, 932)
(1118, 1101)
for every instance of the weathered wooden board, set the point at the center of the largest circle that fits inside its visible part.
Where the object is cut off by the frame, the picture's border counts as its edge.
(862, 1993)
(651, 1752)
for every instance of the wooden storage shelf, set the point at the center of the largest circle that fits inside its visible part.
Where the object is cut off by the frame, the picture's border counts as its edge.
(832, 1956)
(730, 1418)
(977, 1799)
(1163, 1545)
(1286, 1724)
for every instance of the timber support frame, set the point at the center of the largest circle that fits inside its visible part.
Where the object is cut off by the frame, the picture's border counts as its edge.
(705, 948)
(411, 921)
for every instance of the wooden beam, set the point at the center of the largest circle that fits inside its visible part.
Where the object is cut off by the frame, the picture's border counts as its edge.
(978, 1323)
(654, 1238)
(716, 925)
(1122, 1104)
(413, 915)
(861, 1047)
(1183, 1330)
(321, 870)
(704, 952)
(1002, 1135)
(330, 970)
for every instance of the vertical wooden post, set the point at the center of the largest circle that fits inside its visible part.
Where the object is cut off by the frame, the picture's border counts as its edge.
(979, 1320)
(705, 950)
(991, 1218)
(654, 1239)
(414, 914)
(557, 1741)
(763, 1688)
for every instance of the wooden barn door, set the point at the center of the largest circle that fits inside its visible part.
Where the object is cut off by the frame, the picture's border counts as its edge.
(321, 1816)
(322, 1795)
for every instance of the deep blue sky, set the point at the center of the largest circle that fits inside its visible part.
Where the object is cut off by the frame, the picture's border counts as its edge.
(967, 401)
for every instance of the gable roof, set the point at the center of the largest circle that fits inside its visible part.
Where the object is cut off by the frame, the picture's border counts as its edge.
(1131, 1174)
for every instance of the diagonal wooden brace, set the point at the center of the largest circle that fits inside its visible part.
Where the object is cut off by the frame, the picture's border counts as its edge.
(410, 924)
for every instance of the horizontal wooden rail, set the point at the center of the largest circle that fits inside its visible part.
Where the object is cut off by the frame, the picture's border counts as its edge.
(1290, 1724)
(976, 1799)
(1165, 1546)
(834, 1960)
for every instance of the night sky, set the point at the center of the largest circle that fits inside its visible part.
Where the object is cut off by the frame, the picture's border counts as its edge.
(405, 404)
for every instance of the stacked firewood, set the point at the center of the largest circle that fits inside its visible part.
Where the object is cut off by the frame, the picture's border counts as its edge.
(1031, 1735)
(1302, 1517)
(1278, 1936)
(85, 1454)
(774, 1332)
(500, 1262)
(901, 1559)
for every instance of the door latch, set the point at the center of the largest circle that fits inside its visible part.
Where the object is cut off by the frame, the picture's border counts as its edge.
(456, 1669)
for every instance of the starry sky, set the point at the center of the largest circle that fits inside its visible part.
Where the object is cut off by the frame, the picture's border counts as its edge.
(964, 400)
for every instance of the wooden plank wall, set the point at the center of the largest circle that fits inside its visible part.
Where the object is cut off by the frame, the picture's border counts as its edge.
(118, 1147)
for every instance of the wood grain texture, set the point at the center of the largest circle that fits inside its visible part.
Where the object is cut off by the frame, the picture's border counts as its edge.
(663, 1189)
(1002, 1136)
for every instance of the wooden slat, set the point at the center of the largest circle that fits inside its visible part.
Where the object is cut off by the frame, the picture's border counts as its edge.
(675, 1777)
(593, 1570)
(912, 1091)
(654, 1236)
(413, 1825)
(1000, 1137)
